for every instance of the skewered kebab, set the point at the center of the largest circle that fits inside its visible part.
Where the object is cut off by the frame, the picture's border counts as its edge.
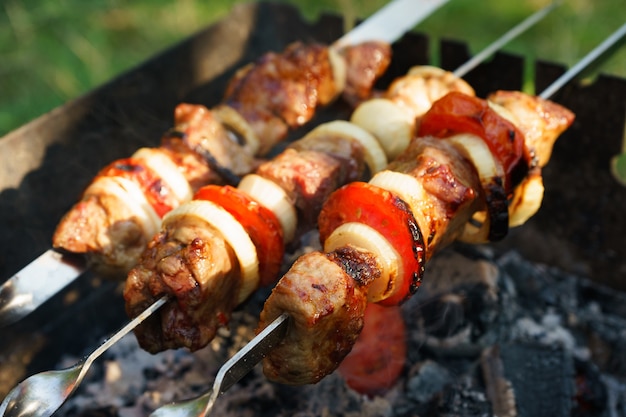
(121, 209)
(211, 261)
(25, 291)
(391, 226)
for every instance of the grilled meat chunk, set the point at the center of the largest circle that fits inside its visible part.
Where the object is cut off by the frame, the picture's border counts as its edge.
(542, 121)
(451, 189)
(326, 305)
(283, 90)
(365, 64)
(308, 177)
(190, 261)
(114, 221)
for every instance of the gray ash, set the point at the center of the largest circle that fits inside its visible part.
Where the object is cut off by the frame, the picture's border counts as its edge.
(488, 335)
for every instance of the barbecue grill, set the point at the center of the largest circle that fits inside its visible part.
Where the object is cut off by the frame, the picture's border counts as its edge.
(576, 238)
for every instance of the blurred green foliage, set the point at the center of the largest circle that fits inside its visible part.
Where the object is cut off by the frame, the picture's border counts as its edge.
(53, 51)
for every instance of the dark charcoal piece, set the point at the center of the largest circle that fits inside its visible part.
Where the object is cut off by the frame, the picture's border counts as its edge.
(542, 379)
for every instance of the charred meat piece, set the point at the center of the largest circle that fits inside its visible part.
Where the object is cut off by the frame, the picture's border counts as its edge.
(190, 261)
(365, 64)
(120, 210)
(283, 91)
(326, 305)
(449, 185)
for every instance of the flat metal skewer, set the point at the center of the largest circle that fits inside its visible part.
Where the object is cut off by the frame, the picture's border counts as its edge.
(506, 38)
(231, 372)
(583, 63)
(42, 394)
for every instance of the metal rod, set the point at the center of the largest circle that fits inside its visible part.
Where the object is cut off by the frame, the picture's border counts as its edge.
(583, 63)
(504, 39)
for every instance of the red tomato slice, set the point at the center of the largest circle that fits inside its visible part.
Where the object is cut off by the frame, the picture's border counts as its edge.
(260, 223)
(459, 113)
(156, 191)
(387, 214)
(379, 354)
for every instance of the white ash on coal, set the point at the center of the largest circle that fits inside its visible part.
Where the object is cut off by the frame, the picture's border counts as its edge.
(488, 335)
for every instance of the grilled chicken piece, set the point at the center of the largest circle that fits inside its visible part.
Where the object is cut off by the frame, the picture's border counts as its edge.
(542, 121)
(326, 300)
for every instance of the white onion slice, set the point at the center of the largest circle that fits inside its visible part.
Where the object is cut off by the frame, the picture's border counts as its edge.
(362, 236)
(477, 229)
(272, 196)
(426, 71)
(339, 67)
(409, 190)
(374, 153)
(477, 151)
(390, 123)
(232, 231)
(503, 112)
(132, 196)
(526, 201)
(233, 120)
(165, 168)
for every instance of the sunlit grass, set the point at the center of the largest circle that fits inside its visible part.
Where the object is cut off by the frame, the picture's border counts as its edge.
(53, 51)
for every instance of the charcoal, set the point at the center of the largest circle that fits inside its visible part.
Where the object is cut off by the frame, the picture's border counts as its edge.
(465, 398)
(542, 379)
(429, 379)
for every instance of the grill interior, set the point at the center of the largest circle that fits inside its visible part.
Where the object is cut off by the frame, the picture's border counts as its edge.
(575, 241)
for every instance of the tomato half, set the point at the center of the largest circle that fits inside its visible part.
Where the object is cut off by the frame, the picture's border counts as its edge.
(459, 113)
(387, 214)
(379, 354)
(157, 192)
(259, 222)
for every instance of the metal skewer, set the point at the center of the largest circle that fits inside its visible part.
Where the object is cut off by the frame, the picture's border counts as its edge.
(231, 372)
(202, 405)
(42, 394)
(504, 39)
(583, 63)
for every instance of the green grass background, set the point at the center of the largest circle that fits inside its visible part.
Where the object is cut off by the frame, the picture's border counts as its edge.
(53, 51)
